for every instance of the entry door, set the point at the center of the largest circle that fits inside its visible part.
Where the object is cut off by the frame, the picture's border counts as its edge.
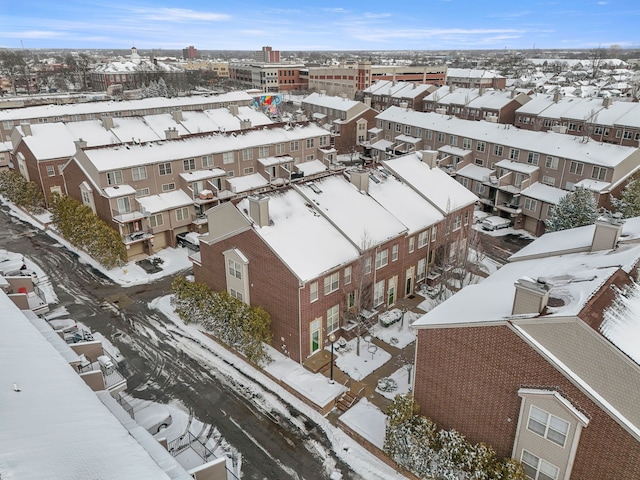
(315, 329)
(409, 284)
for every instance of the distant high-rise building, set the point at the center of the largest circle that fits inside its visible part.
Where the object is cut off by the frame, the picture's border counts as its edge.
(189, 53)
(268, 55)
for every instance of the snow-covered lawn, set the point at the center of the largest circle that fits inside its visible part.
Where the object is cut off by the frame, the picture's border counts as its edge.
(399, 334)
(401, 379)
(366, 420)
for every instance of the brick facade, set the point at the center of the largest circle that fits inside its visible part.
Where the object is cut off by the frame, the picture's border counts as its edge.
(470, 380)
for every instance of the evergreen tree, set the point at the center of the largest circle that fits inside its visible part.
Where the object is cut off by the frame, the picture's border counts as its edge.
(576, 209)
(162, 88)
(629, 202)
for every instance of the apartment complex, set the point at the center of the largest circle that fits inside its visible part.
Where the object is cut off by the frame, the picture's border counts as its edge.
(500, 162)
(342, 247)
(385, 93)
(601, 119)
(96, 110)
(474, 78)
(151, 191)
(349, 79)
(538, 359)
(347, 120)
(269, 77)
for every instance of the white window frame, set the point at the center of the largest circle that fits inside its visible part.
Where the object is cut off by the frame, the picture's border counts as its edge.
(51, 171)
(542, 470)
(412, 244)
(530, 204)
(533, 158)
(165, 168)
(548, 425)
(228, 158)
(347, 275)
(423, 238)
(247, 154)
(552, 162)
(331, 283)
(156, 220)
(182, 213)
(599, 173)
(514, 153)
(498, 150)
(421, 269)
(139, 173)
(124, 205)
(234, 268)
(378, 293)
(188, 164)
(313, 292)
(207, 161)
(481, 146)
(394, 252)
(333, 319)
(114, 177)
(382, 258)
(168, 187)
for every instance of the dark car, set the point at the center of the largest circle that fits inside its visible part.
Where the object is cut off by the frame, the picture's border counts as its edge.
(189, 240)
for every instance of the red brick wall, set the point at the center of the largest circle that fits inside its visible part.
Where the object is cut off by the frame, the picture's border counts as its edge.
(468, 379)
(73, 177)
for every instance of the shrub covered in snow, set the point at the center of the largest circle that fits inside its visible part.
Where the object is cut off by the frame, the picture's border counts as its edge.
(233, 322)
(415, 444)
(21, 192)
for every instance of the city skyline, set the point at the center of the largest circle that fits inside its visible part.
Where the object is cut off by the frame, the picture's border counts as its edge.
(286, 25)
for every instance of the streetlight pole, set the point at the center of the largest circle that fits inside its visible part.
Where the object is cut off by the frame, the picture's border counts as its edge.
(332, 339)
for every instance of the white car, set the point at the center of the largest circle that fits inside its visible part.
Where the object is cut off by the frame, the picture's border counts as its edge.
(495, 223)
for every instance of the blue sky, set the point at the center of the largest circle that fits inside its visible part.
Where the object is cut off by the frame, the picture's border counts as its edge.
(296, 25)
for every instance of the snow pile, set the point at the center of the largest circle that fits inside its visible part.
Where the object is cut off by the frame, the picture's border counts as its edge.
(621, 321)
(368, 421)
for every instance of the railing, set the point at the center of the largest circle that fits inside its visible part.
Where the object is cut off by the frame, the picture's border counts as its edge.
(137, 236)
(190, 441)
(199, 218)
(125, 405)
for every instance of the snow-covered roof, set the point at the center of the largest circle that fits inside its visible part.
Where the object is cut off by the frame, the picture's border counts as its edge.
(270, 161)
(621, 321)
(195, 175)
(433, 184)
(451, 150)
(471, 73)
(517, 166)
(407, 139)
(549, 143)
(403, 202)
(334, 103)
(289, 215)
(164, 201)
(53, 424)
(312, 167)
(119, 191)
(593, 185)
(246, 183)
(113, 158)
(492, 100)
(131, 129)
(476, 172)
(544, 193)
(359, 217)
(382, 145)
(50, 110)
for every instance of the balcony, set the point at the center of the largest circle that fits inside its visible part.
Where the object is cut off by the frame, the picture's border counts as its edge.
(126, 217)
(114, 381)
(136, 237)
(199, 219)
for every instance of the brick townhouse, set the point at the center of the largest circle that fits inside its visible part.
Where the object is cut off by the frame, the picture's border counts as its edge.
(540, 360)
(384, 93)
(322, 255)
(500, 163)
(152, 191)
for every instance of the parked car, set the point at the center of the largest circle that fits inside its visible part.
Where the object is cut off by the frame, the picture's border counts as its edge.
(189, 240)
(495, 223)
(479, 216)
(153, 417)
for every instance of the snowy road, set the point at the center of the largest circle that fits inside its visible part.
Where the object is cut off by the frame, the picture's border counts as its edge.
(163, 363)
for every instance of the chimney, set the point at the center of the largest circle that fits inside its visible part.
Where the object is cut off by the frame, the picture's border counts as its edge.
(26, 129)
(367, 101)
(607, 233)
(481, 91)
(245, 124)
(107, 123)
(360, 178)
(323, 93)
(556, 96)
(452, 88)
(531, 296)
(177, 116)
(514, 94)
(233, 110)
(80, 144)
(404, 105)
(259, 210)
(606, 102)
(430, 157)
(171, 133)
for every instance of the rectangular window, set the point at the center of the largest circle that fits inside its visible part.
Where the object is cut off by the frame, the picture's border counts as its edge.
(123, 205)
(156, 220)
(189, 164)
(51, 171)
(322, 141)
(313, 292)
(331, 283)
(247, 171)
(453, 140)
(378, 293)
(466, 143)
(367, 265)
(382, 258)
(168, 187)
(466, 218)
(421, 269)
(407, 129)
(235, 294)
(207, 161)
(548, 426)
(423, 239)
(235, 268)
(247, 154)
(497, 150)
(412, 244)
(576, 167)
(514, 153)
(464, 181)
(143, 192)
(394, 253)
(310, 143)
(538, 469)
(164, 168)
(295, 146)
(347, 275)
(227, 158)
(552, 162)
(280, 149)
(599, 173)
(442, 137)
(530, 204)
(139, 173)
(428, 135)
(398, 128)
(481, 146)
(548, 180)
(114, 178)
(479, 161)
(434, 229)
(457, 223)
(263, 152)
(479, 188)
(182, 213)
(533, 158)
(333, 318)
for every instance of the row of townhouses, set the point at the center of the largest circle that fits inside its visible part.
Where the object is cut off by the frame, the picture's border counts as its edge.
(516, 173)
